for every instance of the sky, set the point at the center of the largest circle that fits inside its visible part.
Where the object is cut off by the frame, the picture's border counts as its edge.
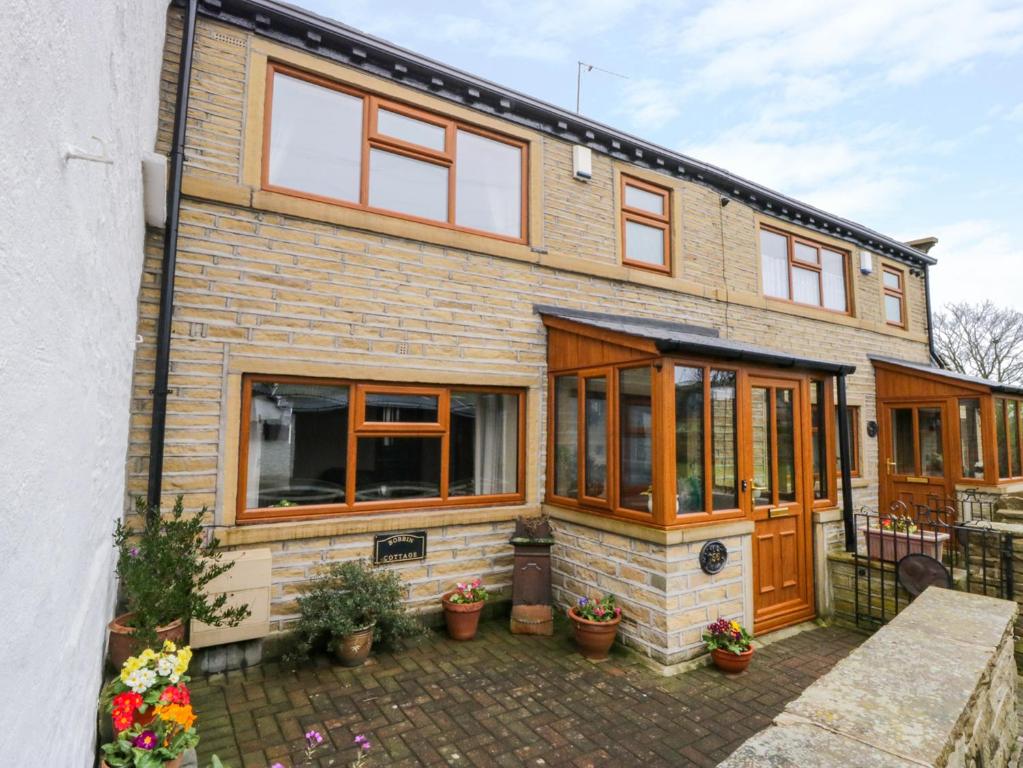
(903, 115)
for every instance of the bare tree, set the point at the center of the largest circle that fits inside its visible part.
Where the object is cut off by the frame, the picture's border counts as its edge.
(981, 340)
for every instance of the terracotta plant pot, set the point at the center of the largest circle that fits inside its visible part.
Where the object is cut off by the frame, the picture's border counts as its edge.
(594, 638)
(462, 618)
(122, 644)
(352, 650)
(731, 663)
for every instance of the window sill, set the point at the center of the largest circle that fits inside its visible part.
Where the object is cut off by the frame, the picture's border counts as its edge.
(264, 533)
(681, 534)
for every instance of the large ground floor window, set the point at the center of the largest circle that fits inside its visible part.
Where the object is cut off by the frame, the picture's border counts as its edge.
(314, 446)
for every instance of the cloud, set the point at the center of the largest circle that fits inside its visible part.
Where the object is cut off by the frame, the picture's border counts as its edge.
(748, 43)
(977, 260)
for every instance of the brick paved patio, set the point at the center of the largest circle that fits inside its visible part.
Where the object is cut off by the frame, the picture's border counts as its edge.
(505, 700)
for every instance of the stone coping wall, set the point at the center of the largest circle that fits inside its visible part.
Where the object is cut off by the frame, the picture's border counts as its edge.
(935, 687)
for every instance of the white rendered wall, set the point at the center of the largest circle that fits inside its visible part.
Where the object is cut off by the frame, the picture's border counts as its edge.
(70, 262)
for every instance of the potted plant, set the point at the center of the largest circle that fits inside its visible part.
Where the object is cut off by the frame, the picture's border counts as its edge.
(595, 623)
(532, 612)
(462, 608)
(730, 645)
(163, 570)
(349, 607)
(151, 710)
(892, 538)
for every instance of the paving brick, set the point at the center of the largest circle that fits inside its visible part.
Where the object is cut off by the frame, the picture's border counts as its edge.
(504, 700)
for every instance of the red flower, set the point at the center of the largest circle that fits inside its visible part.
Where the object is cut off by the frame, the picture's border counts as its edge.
(127, 702)
(176, 694)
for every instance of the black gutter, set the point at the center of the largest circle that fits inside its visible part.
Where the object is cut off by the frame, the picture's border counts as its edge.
(333, 40)
(845, 466)
(169, 263)
(778, 360)
(930, 321)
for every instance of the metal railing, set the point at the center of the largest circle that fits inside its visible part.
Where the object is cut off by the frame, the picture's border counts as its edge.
(901, 551)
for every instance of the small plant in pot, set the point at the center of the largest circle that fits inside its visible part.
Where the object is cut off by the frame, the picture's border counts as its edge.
(730, 645)
(163, 569)
(462, 608)
(350, 607)
(151, 710)
(595, 623)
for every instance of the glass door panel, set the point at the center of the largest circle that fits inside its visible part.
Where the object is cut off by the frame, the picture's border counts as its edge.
(763, 470)
(903, 449)
(786, 441)
(932, 452)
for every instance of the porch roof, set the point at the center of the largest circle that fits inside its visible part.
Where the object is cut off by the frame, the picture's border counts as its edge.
(994, 386)
(669, 337)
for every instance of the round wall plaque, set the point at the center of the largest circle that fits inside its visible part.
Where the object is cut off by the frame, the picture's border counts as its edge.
(713, 556)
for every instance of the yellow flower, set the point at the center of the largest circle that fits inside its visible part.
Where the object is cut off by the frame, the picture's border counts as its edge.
(147, 656)
(169, 647)
(184, 658)
(131, 664)
(735, 626)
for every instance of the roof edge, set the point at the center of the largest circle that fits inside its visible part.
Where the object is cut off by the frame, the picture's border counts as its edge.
(331, 39)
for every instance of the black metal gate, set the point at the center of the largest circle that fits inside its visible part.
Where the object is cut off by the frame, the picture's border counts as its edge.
(957, 545)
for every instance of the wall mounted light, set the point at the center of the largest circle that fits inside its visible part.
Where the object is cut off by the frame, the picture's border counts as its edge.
(866, 262)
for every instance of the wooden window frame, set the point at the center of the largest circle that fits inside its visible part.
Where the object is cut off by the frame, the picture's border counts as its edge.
(358, 427)
(1019, 438)
(899, 294)
(646, 218)
(373, 139)
(791, 240)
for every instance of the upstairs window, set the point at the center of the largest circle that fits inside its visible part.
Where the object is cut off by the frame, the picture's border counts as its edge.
(334, 144)
(645, 225)
(805, 272)
(894, 283)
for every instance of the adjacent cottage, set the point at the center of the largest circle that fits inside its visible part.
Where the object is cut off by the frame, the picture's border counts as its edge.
(407, 299)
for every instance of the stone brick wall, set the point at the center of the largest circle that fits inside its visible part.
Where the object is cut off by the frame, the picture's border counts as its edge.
(666, 599)
(454, 553)
(936, 686)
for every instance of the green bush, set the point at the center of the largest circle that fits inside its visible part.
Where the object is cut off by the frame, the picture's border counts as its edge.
(164, 569)
(349, 597)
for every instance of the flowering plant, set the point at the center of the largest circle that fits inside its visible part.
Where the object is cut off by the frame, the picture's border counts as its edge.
(728, 636)
(470, 592)
(897, 524)
(151, 709)
(603, 609)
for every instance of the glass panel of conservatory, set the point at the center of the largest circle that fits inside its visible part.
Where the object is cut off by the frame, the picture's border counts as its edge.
(596, 437)
(932, 451)
(971, 445)
(635, 408)
(566, 436)
(689, 463)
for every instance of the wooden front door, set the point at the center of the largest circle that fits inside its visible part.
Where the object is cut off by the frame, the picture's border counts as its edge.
(914, 455)
(782, 548)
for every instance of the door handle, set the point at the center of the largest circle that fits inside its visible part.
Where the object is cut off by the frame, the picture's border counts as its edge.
(891, 465)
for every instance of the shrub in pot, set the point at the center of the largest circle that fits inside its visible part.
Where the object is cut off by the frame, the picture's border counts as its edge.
(730, 645)
(462, 608)
(595, 623)
(350, 607)
(163, 569)
(150, 706)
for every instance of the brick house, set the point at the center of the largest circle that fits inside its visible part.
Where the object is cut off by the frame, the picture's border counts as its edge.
(408, 299)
